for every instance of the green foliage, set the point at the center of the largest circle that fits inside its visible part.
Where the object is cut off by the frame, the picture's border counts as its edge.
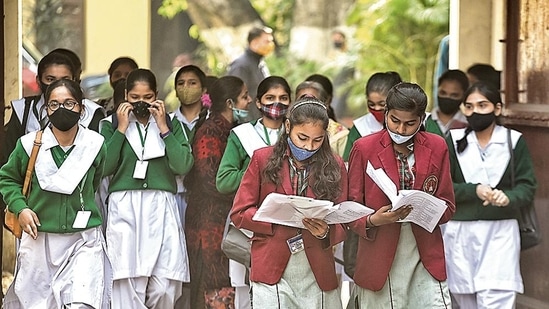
(294, 70)
(276, 14)
(396, 35)
(170, 8)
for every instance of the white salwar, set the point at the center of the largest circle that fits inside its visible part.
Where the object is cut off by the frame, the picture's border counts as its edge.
(297, 289)
(478, 248)
(72, 269)
(409, 284)
(145, 239)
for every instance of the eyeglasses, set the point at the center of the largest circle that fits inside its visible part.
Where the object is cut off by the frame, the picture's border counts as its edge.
(68, 104)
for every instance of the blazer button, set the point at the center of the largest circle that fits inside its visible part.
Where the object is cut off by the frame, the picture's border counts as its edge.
(64, 227)
(145, 185)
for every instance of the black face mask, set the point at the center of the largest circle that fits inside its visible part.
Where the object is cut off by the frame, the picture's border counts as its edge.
(448, 106)
(43, 87)
(64, 119)
(338, 45)
(141, 109)
(479, 122)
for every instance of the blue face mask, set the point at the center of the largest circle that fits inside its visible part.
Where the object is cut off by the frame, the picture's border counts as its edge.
(300, 154)
(240, 115)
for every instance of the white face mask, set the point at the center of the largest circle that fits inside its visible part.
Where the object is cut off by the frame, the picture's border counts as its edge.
(401, 139)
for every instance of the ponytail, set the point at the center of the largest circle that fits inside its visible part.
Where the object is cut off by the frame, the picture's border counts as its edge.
(462, 143)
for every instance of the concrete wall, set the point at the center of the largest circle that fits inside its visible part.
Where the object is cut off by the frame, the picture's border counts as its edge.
(113, 29)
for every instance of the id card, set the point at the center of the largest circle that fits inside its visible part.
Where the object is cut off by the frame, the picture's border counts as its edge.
(82, 218)
(140, 170)
(296, 244)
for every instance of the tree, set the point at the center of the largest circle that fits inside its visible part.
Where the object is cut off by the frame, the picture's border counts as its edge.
(397, 35)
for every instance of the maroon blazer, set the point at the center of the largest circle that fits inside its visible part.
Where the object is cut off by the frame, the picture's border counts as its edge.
(376, 249)
(270, 252)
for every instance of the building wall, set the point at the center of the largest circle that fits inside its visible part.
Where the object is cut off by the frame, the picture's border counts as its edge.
(114, 29)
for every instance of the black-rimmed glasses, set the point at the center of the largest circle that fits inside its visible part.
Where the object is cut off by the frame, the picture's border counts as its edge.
(68, 104)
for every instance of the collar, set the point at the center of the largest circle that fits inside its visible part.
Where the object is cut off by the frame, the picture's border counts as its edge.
(253, 54)
(183, 119)
(457, 116)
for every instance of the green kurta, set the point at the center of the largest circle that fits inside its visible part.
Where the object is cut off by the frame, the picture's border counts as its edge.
(56, 211)
(469, 206)
(121, 162)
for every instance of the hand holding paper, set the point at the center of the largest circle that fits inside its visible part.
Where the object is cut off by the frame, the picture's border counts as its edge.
(290, 210)
(427, 209)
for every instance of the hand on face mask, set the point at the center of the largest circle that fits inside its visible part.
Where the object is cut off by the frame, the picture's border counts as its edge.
(141, 109)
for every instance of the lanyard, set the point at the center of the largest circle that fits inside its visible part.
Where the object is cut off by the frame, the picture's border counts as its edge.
(267, 135)
(80, 189)
(142, 138)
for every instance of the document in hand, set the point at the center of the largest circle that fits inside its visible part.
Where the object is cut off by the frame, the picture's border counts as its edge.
(427, 209)
(289, 210)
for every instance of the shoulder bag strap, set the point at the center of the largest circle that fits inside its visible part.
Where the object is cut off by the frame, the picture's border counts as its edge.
(512, 158)
(32, 160)
(28, 104)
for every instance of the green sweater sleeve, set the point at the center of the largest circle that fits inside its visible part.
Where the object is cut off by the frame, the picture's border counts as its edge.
(178, 150)
(56, 211)
(12, 176)
(351, 138)
(233, 164)
(469, 205)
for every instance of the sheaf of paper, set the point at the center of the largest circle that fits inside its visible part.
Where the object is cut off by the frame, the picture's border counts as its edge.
(290, 210)
(427, 209)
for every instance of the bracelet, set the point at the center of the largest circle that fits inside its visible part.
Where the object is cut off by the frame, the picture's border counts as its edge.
(369, 221)
(164, 135)
(325, 234)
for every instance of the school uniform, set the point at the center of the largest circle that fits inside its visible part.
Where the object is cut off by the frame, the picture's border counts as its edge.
(189, 129)
(37, 118)
(476, 234)
(242, 142)
(362, 126)
(380, 263)
(434, 125)
(146, 243)
(273, 266)
(67, 263)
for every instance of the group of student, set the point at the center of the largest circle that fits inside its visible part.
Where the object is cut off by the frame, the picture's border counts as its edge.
(130, 213)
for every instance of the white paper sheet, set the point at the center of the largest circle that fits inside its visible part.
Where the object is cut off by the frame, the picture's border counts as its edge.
(290, 210)
(427, 209)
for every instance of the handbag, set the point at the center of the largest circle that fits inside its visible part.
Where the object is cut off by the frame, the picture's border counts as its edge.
(11, 222)
(350, 248)
(236, 243)
(530, 234)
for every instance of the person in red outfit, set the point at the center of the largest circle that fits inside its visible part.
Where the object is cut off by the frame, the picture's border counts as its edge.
(207, 208)
(400, 264)
(294, 267)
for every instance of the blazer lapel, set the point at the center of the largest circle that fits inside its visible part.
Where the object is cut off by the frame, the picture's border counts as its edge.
(422, 166)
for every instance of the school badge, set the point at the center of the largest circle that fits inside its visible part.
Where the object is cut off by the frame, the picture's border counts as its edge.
(430, 184)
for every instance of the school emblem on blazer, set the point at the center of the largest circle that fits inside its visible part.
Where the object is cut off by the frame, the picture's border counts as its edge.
(430, 184)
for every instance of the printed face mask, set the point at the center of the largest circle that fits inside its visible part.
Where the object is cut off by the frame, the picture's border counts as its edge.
(448, 106)
(300, 154)
(275, 110)
(141, 109)
(64, 119)
(189, 95)
(479, 122)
